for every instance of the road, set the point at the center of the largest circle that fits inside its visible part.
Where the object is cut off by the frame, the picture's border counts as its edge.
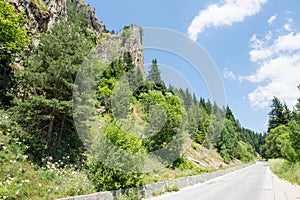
(253, 183)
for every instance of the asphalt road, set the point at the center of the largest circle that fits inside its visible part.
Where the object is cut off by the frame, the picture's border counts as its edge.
(253, 183)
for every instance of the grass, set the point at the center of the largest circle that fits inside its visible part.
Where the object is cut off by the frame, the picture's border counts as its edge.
(164, 174)
(286, 170)
(172, 188)
(157, 193)
(129, 194)
(21, 179)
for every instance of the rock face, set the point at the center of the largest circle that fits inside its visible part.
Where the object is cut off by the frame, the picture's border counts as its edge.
(42, 14)
(112, 46)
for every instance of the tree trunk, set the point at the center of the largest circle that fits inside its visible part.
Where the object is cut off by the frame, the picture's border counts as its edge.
(61, 129)
(50, 130)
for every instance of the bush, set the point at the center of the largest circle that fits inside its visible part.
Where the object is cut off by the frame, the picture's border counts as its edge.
(183, 163)
(117, 159)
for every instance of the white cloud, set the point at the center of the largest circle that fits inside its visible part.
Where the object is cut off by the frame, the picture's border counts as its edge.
(230, 11)
(272, 19)
(259, 54)
(288, 25)
(259, 51)
(290, 42)
(229, 74)
(279, 70)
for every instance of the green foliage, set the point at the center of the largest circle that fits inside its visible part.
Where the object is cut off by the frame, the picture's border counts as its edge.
(13, 34)
(172, 188)
(13, 41)
(183, 163)
(39, 4)
(244, 152)
(159, 135)
(154, 75)
(214, 127)
(295, 135)
(79, 16)
(125, 34)
(110, 78)
(286, 170)
(279, 144)
(21, 179)
(120, 99)
(228, 141)
(45, 108)
(106, 164)
(129, 194)
(157, 192)
(279, 115)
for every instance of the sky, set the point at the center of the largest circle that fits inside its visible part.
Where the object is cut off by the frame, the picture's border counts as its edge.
(255, 45)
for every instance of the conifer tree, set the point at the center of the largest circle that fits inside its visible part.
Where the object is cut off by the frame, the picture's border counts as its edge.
(154, 74)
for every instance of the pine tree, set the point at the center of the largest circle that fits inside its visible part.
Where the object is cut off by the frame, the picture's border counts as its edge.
(279, 115)
(154, 74)
(45, 110)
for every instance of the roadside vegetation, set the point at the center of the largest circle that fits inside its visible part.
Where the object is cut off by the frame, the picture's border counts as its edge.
(283, 141)
(41, 154)
(286, 170)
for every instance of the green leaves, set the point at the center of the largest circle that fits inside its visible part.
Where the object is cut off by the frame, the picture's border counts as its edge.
(109, 166)
(280, 114)
(13, 34)
(279, 144)
(283, 140)
(228, 141)
(13, 41)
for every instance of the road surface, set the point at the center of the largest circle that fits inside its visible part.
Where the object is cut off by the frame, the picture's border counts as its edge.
(253, 183)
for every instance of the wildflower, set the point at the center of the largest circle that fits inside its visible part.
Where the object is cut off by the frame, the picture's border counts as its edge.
(8, 182)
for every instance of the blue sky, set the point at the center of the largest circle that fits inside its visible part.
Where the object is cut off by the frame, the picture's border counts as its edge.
(255, 45)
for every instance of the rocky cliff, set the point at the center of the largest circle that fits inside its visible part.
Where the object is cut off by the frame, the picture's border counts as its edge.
(42, 14)
(129, 40)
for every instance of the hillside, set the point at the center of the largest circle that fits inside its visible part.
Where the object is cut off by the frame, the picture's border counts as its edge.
(79, 114)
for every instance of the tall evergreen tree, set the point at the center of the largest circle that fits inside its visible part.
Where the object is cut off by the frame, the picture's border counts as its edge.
(45, 110)
(279, 115)
(154, 74)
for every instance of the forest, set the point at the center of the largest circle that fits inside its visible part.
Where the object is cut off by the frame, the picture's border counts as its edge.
(41, 149)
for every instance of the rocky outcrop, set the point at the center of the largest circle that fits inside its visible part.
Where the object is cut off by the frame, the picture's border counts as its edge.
(112, 46)
(42, 14)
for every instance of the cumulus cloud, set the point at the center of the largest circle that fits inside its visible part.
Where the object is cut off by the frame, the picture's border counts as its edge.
(278, 73)
(229, 74)
(227, 13)
(272, 19)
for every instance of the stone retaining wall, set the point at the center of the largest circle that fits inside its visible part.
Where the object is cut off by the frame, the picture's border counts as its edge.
(148, 190)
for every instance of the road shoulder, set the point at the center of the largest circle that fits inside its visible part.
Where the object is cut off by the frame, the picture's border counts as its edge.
(284, 190)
